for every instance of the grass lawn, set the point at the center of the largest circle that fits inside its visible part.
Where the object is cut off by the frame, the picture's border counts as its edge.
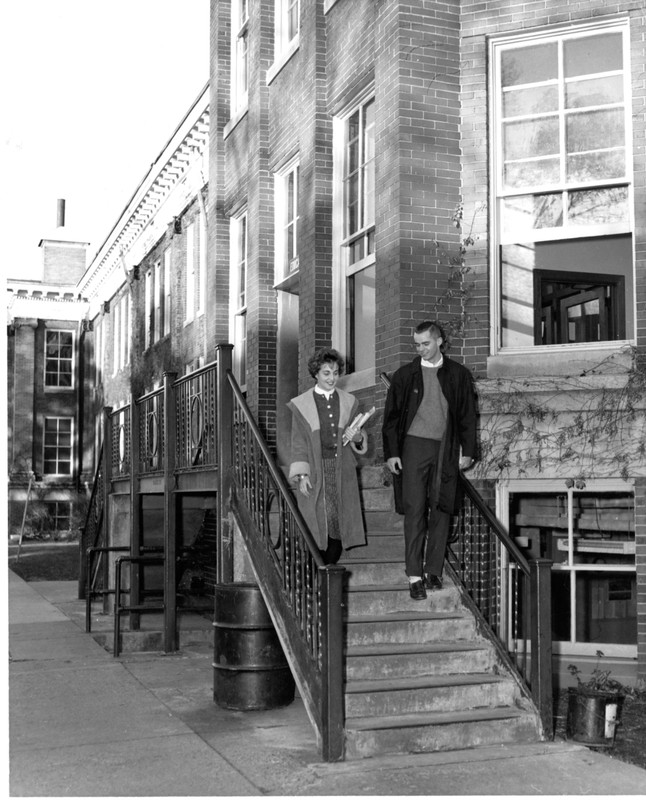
(45, 561)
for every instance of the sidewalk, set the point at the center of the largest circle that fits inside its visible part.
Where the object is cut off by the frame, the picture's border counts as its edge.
(83, 723)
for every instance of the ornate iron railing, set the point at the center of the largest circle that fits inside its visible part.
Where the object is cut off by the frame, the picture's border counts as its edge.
(121, 442)
(305, 596)
(508, 594)
(150, 416)
(196, 401)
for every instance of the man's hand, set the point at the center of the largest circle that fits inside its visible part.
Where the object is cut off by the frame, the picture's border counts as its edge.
(395, 465)
(465, 462)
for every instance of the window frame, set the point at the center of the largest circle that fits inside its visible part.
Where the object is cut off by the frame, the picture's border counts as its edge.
(239, 56)
(58, 446)
(239, 272)
(59, 360)
(286, 222)
(498, 239)
(504, 489)
(343, 270)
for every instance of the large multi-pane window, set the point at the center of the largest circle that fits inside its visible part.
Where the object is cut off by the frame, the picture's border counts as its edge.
(238, 316)
(57, 450)
(563, 188)
(166, 292)
(588, 533)
(59, 359)
(59, 515)
(286, 212)
(239, 54)
(355, 137)
(195, 269)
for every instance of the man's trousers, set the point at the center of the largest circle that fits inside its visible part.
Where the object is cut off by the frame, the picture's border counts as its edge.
(419, 467)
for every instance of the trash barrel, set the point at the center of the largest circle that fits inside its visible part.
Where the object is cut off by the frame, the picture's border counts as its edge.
(592, 716)
(250, 671)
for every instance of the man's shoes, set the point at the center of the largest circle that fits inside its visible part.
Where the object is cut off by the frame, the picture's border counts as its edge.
(417, 590)
(433, 582)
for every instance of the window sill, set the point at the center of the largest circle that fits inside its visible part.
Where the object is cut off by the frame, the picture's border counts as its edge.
(231, 124)
(288, 284)
(328, 5)
(283, 58)
(557, 360)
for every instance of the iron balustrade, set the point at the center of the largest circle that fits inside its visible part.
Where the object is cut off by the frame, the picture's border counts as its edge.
(196, 403)
(121, 442)
(93, 527)
(150, 416)
(510, 595)
(304, 594)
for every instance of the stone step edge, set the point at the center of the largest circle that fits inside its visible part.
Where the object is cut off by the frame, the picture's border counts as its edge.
(430, 718)
(395, 587)
(375, 685)
(414, 648)
(407, 616)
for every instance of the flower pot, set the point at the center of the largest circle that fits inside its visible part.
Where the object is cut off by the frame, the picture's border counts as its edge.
(592, 716)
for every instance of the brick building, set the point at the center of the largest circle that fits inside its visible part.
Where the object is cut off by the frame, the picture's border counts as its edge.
(49, 472)
(375, 164)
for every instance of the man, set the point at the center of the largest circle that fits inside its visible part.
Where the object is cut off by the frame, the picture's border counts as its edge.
(429, 433)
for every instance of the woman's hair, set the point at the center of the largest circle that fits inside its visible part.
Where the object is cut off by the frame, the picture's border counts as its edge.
(323, 356)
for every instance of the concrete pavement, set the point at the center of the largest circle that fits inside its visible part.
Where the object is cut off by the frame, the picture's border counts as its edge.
(83, 723)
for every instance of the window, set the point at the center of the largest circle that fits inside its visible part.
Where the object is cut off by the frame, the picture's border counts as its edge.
(158, 302)
(563, 188)
(355, 197)
(239, 54)
(166, 292)
(286, 234)
(59, 516)
(588, 532)
(59, 359)
(57, 454)
(116, 338)
(238, 316)
(195, 269)
(98, 352)
(286, 16)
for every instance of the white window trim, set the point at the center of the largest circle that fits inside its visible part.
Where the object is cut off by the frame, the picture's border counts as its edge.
(235, 309)
(239, 99)
(158, 300)
(148, 309)
(340, 270)
(530, 485)
(72, 471)
(44, 373)
(280, 206)
(116, 334)
(201, 265)
(536, 352)
(284, 48)
(189, 304)
(167, 290)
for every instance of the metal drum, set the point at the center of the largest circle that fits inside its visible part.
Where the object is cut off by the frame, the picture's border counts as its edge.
(250, 671)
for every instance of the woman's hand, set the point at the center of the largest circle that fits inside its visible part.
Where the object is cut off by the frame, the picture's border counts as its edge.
(304, 485)
(351, 434)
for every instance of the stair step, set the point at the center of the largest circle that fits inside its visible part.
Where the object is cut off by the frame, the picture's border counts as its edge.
(385, 599)
(426, 693)
(408, 626)
(380, 546)
(433, 731)
(425, 658)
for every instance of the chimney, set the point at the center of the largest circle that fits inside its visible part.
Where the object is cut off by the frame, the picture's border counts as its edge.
(60, 213)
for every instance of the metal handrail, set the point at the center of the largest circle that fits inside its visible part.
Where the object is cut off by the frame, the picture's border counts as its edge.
(93, 522)
(303, 593)
(118, 591)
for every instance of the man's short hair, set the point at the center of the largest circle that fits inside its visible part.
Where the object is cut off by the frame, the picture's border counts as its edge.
(434, 328)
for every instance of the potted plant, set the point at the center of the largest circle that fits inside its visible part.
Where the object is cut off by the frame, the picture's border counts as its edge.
(593, 705)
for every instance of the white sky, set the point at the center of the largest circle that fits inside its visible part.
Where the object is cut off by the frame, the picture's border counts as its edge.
(91, 91)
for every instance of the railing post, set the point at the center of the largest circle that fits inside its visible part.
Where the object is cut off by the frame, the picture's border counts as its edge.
(170, 533)
(332, 667)
(541, 640)
(107, 489)
(224, 555)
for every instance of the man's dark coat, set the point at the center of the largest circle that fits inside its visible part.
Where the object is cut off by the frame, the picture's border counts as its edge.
(403, 400)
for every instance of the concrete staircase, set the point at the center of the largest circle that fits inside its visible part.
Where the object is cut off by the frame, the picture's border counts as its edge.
(419, 677)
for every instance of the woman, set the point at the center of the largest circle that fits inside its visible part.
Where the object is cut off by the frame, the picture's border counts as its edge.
(323, 458)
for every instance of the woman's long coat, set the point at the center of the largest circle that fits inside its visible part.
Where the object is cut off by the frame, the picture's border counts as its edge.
(307, 459)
